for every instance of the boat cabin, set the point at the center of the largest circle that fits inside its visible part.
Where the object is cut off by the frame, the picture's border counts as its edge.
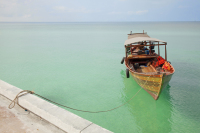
(141, 56)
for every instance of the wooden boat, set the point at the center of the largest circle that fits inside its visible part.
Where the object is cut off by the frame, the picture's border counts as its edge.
(147, 68)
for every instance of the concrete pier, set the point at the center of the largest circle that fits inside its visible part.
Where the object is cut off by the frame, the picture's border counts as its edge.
(17, 120)
(63, 119)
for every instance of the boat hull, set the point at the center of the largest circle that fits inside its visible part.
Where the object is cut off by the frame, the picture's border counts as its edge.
(153, 84)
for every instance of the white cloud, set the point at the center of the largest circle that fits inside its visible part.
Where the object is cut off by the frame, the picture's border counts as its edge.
(141, 12)
(27, 16)
(8, 8)
(13, 10)
(115, 13)
(80, 10)
(59, 8)
(71, 10)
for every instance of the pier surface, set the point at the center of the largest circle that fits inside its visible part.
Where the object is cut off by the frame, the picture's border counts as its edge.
(17, 120)
(41, 116)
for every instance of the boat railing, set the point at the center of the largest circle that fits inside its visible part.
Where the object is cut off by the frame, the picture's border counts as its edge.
(148, 44)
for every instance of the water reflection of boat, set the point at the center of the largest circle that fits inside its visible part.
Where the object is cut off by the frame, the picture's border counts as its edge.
(147, 68)
(150, 116)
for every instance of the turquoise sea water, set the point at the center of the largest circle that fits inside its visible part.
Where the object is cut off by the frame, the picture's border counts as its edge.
(78, 65)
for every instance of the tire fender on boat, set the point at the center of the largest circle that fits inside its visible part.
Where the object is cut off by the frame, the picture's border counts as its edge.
(122, 60)
(127, 73)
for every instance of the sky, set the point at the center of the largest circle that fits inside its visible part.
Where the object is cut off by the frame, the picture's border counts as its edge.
(98, 11)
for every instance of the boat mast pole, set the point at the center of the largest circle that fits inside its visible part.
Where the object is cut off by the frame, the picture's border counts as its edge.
(158, 49)
(165, 52)
(150, 48)
(125, 51)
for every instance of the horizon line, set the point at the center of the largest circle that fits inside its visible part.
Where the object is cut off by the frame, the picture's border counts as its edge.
(90, 21)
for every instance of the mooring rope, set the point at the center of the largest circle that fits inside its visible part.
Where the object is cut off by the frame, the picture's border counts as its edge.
(15, 101)
(89, 111)
(31, 92)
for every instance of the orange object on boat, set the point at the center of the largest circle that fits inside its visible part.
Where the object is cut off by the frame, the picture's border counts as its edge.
(159, 62)
(166, 66)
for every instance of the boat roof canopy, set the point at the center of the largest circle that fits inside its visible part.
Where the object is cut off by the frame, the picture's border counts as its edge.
(141, 39)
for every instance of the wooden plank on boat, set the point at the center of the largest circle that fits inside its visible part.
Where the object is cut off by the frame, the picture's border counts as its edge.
(147, 69)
